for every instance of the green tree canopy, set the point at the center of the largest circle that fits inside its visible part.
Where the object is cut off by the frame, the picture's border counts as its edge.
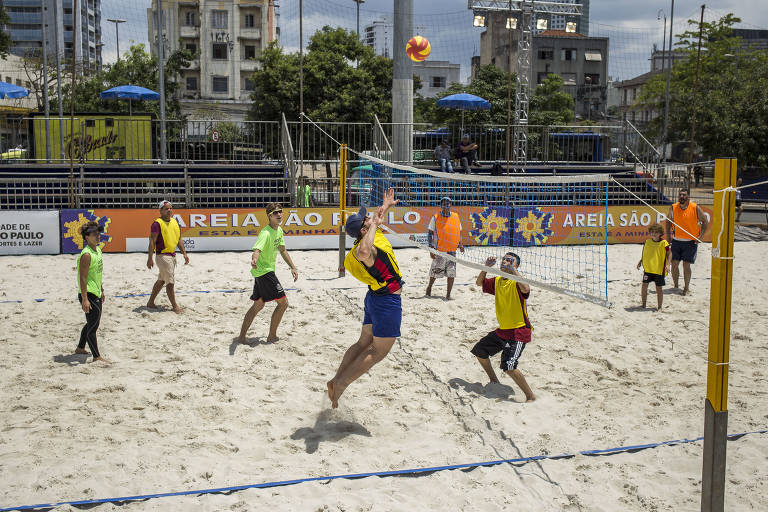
(136, 67)
(732, 100)
(550, 104)
(343, 81)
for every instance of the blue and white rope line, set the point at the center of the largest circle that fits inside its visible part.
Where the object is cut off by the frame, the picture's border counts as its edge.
(400, 472)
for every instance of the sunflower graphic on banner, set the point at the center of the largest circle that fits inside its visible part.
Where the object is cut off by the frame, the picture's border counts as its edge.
(71, 222)
(491, 226)
(532, 227)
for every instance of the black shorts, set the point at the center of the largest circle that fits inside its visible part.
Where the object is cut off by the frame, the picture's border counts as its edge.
(738, 203)
(492, 344)
(653, 278)
(267, 288)
(684, 250)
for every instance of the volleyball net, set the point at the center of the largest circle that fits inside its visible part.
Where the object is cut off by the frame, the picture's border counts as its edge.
(533, 216)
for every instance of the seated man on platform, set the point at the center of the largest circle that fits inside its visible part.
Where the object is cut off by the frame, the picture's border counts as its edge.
(443, 156)
(467, 154)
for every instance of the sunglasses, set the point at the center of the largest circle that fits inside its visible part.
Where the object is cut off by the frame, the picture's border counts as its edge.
(275, 211)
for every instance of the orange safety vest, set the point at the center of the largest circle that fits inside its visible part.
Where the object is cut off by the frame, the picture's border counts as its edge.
(687, 219)
(448, 232)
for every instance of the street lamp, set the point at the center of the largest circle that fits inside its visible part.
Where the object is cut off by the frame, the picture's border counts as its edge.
(666, 94)
(117, 23)
(358, 2)
(659, 14)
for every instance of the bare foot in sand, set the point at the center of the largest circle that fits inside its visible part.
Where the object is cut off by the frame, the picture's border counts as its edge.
(101, 359)
(331, 387)
(272, 339)
(82, 351)
(152, 305)
(531, 399)
(178, 310)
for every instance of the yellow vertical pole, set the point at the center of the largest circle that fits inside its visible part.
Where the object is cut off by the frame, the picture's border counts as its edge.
(716, 403)
(342, 207)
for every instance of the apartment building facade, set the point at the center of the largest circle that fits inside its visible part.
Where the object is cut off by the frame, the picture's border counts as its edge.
(26, 29)
(228, 37)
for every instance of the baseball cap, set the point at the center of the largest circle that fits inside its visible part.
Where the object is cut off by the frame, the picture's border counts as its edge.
(163, 203)
(355, 222)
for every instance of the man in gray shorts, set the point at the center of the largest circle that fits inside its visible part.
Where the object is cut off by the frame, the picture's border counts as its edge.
(444, 234)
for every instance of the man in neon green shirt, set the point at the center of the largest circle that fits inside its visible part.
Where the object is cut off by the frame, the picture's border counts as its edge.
(266, 287)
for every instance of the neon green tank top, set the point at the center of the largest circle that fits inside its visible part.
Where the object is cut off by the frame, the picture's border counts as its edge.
(93, 279)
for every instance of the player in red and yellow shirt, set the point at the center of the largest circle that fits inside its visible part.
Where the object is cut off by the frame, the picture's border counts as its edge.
(514, 329)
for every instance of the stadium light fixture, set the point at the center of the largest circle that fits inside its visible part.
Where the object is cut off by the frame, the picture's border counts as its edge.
(478, 21)
(542, 23)
(570, 26)
(512, 23)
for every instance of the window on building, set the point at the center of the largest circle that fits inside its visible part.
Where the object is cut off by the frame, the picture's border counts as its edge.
(191, 83)
(634, 94)
(18, 82)
(190, 47)
(249, 84)
(439, 81)
(9, 79)
(190, 18)
(546, 54)
(593, 55)
(249, 51)
(568, 78)
(591, 79)
(220, 84)
(249, 21)
(568, 54)
(220, 51)
(219, 19)
(625, 96)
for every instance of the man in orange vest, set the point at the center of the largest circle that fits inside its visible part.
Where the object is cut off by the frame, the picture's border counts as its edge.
(444, 234)
(690, 224)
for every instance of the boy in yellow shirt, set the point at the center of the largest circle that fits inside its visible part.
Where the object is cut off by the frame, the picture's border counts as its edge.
(655, 263)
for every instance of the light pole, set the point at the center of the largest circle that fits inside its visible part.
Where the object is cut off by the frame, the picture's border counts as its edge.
(666, 94)
(117, 23)
(659, 14)
(358, 2)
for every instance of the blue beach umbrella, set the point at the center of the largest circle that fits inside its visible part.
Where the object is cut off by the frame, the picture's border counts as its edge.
(12, 91)
(464, 101)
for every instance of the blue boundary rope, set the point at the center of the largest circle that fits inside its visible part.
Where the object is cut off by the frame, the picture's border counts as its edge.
(415, 471)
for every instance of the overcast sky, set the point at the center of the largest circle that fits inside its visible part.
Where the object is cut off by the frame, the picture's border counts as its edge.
(631, 25)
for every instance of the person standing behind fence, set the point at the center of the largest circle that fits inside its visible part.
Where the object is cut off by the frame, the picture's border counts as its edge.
(304, 193)
(90, 289)
(444, 234)
(690, 223)
(164, 238)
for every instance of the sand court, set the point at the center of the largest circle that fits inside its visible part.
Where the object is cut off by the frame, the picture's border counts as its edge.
(184, 407)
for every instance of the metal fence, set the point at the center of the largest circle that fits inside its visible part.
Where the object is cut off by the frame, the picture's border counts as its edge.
(121, 140)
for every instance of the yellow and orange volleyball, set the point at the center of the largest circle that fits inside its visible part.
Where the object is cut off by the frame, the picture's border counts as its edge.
(418, 48)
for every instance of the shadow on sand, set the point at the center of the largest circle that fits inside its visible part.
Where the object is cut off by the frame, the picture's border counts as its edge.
(71, 359)
(489, 390)
(326, 430)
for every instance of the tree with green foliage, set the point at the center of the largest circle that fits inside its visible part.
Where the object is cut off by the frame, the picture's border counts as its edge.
(136, 67)
(550, 104)
(5, 36)
(732, 99)
(343, 81)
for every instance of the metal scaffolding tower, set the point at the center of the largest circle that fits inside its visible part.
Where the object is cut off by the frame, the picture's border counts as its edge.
(523, 15)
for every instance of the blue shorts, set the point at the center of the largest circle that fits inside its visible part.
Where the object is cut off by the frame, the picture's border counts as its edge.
(385, 313)
(684, 250)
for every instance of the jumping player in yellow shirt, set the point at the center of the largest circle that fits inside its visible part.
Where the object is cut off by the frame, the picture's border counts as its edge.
(371, 261)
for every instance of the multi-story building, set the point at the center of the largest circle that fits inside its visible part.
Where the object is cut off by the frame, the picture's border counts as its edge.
(436, 76)
(581, 61)
(228, 35)
(378, 35)
(26, 28)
